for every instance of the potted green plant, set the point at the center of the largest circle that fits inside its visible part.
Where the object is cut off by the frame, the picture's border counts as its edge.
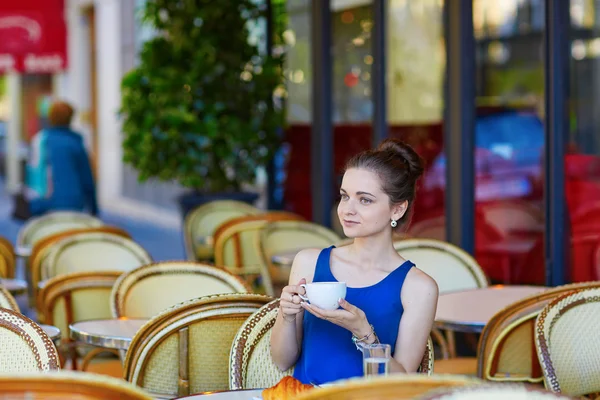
(200, 108)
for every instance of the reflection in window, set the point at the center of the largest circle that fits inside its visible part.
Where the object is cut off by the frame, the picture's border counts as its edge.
(352, 60)
(415, 61)
(298, 70)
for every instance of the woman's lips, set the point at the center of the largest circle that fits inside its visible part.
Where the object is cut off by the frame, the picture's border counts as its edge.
(350, 223)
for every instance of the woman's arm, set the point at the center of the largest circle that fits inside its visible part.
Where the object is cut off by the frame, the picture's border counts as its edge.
(419, 298)
(286, 337)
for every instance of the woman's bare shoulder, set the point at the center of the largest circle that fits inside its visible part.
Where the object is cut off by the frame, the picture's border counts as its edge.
(308, 254)
(304, 265)
(419, 285)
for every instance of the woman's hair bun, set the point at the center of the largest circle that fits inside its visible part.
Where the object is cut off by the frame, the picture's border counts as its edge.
(413, 161)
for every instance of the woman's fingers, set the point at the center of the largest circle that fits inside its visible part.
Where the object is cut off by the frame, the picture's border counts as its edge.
(291, 311)
(292, 306)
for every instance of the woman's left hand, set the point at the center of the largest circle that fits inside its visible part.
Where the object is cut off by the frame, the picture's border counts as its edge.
(349, 317)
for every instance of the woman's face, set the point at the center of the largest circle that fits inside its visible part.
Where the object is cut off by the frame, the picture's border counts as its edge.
(364, 208)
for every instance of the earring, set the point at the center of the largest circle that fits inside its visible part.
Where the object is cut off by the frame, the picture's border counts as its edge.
(393, 224)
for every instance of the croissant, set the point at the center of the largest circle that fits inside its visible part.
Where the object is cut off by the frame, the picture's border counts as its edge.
(287, 388)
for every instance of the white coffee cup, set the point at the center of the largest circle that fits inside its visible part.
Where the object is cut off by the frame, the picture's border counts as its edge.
(325, 295)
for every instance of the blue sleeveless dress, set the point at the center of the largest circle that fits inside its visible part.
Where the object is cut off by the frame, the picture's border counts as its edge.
(328, 353)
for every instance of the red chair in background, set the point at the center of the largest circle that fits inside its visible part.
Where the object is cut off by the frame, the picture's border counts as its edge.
(514, 218)
(582, 167)
(581, 195)
(586, 219)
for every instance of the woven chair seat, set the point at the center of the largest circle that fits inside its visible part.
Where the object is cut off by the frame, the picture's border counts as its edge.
(565, 336)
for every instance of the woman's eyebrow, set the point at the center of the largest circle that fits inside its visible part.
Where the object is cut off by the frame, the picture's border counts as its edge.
(359, 193)
(367, 193)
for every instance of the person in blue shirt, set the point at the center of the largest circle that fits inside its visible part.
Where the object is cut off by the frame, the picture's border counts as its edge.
(387, 300)
(59, 172)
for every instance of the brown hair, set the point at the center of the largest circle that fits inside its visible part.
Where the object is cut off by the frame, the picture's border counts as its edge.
(398, 167)
(60, 114)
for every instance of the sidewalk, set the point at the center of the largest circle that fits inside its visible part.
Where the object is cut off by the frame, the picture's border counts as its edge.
(162, 243)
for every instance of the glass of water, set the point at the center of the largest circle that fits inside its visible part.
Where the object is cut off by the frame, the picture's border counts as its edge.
(376, 359)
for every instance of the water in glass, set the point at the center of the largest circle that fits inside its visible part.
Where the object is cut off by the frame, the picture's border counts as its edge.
(376, 358)
(375, 366)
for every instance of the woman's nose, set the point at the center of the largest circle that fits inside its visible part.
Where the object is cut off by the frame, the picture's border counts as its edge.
(349, 209)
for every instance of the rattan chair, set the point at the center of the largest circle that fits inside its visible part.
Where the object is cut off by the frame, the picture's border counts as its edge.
(40, 227)
(42, 248)
(200, 225)
(67, 385)
(506, 351)
(282, 236)
(70, 298)
(4, 268)
(453, 269)
(236, 246)
(392, 387)
(565, 336)
(147, 290)
(493, 392)
(7, 300)
(93, 252)
(186, 349)
(251, 366)
(7, 252)
(25, 346)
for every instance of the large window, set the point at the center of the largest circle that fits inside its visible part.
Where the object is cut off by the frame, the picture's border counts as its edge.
(582, 163)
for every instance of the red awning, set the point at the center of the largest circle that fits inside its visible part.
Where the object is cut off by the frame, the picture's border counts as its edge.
(33, 36)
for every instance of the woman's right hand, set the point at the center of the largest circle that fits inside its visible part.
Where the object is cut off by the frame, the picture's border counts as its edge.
(289, 302)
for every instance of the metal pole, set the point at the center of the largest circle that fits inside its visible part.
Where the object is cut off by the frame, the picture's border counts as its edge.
(459, 123)
(378, 82)
(272, 203)
(556, 57)
(322, 131)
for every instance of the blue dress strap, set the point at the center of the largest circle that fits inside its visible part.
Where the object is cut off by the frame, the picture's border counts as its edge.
(322, 270)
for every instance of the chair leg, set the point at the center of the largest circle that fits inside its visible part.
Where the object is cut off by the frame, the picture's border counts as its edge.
(439, 338)
(451, 343)
(68, 351)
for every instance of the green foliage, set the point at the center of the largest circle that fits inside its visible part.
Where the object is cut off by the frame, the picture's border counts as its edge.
(199, 108)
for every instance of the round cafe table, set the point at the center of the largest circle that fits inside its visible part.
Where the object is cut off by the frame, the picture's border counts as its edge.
(23, 251)
(52, 331)
(470, 310)
(14, 286)
(284, 259)
(248, 394)
(108, 333)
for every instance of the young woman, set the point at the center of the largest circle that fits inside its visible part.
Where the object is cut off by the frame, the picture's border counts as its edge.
(387, 300)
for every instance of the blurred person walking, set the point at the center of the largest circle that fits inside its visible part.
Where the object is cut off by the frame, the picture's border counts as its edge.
(59, 176)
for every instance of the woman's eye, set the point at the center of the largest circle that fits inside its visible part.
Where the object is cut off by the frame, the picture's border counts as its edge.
(344, 196)
(366, 201)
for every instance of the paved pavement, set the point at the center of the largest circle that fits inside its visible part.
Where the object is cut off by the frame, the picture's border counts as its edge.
(162, 243)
